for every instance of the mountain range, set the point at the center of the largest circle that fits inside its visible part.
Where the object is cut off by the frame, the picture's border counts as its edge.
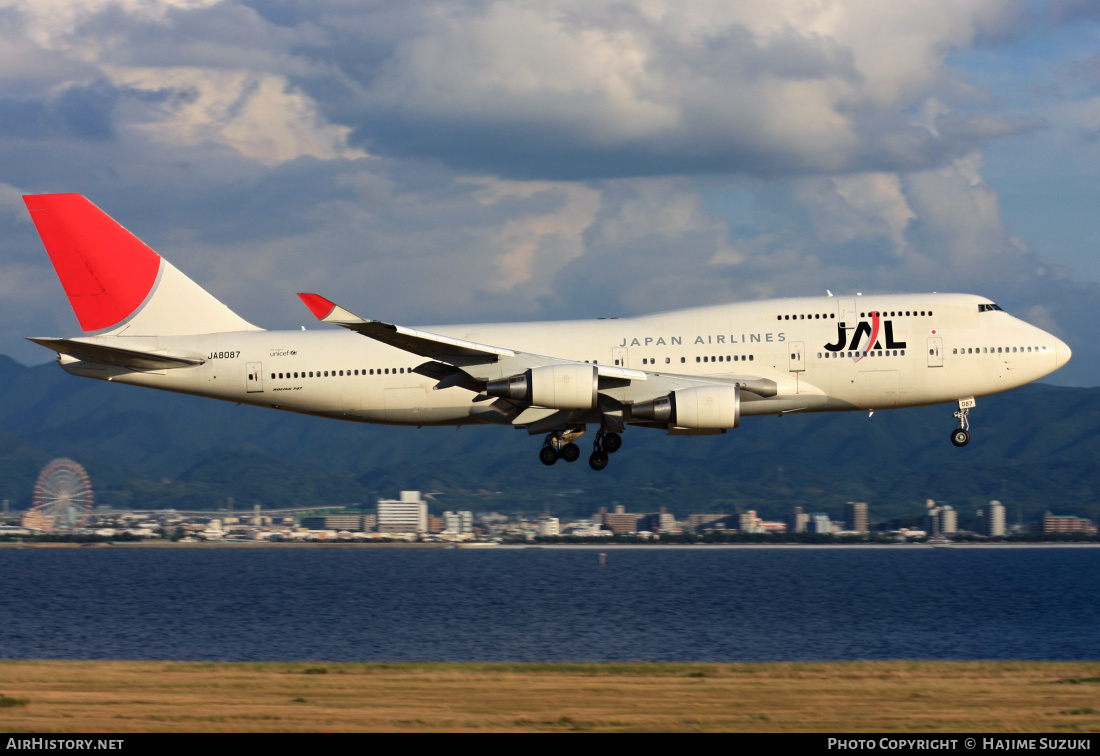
(1034, 448)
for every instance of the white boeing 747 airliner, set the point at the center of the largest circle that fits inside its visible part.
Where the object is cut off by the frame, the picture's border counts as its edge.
(690, 372)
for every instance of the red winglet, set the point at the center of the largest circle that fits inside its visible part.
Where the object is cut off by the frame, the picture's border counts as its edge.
(106, 271)
(318, 305)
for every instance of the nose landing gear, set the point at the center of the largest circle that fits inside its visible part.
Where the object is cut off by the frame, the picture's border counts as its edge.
(961, 435)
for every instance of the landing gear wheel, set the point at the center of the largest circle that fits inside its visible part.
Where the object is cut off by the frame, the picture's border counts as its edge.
(570, 452)
(960, 437)
(612, 442)
(598, 460)
(548, 455)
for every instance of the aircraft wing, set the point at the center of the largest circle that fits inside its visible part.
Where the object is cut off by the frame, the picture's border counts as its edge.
(446, 349)
(458, 362)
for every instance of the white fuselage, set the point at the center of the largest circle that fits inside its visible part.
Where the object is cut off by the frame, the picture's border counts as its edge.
(928, 348)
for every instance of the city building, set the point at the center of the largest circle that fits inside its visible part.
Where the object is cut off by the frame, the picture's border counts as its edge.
(349, 522)
(458, 522)
(991, 520)
(587, 528)
(35, 520)
(1067, 524)
(947, 520)
(820, 523)
(748, 522)
(799, 521)
(549, 526)
(620, 521)
(855, 512)
(942, 518)
(698, 522)
(409, 514)
(659, 522)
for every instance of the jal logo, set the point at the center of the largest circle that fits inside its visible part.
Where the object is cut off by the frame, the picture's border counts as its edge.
(865, 336)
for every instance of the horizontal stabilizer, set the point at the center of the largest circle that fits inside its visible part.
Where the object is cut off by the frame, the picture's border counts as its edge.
(127, 358)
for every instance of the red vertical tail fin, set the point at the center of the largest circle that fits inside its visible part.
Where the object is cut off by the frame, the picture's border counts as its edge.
(106, 271)
(114, 281)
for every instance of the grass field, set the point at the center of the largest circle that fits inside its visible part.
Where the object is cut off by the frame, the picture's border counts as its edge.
(888, 697)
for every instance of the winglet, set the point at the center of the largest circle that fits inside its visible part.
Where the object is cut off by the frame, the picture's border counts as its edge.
(318, 305)
(327, 311)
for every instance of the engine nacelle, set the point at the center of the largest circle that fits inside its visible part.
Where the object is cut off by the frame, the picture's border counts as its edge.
(704, 407)
(554, 386)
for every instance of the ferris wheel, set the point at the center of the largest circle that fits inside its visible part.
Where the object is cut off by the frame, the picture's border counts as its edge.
(63, 494)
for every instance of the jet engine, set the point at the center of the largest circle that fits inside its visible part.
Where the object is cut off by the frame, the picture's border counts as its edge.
(704, 407)
(554, 386)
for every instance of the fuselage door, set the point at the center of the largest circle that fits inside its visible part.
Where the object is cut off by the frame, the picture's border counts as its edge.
(618, 357)
(253, 377)
(935, 351)
(846, 311)
(798, 355)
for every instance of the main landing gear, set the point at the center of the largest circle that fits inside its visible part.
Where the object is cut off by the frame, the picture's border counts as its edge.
(559, 445)
(961, 435)
(607, 442)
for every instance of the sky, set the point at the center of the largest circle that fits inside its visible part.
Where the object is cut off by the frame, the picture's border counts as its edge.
(430, 162)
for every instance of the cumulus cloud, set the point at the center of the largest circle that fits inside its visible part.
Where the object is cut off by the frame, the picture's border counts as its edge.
(599, 90)
(484, 160)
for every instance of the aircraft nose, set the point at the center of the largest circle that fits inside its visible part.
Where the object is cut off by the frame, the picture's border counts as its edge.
(1062, 352)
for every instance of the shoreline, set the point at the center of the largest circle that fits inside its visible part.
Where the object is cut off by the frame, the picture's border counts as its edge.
(524, 546)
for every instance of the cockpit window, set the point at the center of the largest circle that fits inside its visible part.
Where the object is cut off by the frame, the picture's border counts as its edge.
(988, 307)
